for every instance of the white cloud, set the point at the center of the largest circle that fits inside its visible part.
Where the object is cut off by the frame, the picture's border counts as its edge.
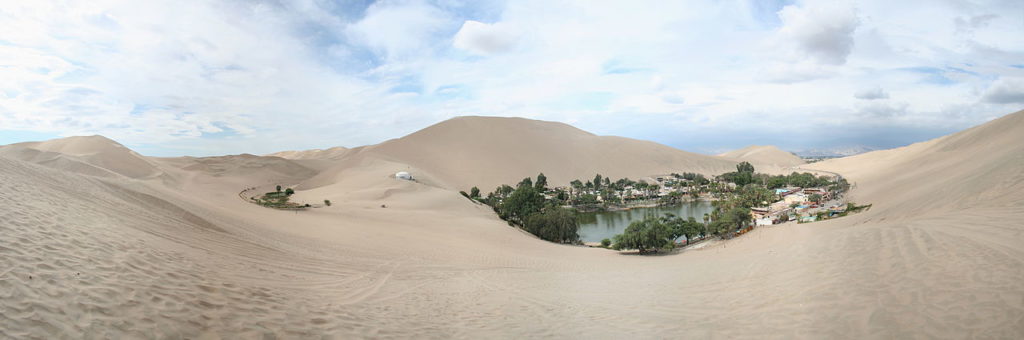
(788, 73)
(483, 39)
(1005, 91)
(822, 31)
(872, 93)
(882, 109)
(400, 29)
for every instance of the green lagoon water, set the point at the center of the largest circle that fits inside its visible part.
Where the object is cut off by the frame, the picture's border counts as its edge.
(596, 226)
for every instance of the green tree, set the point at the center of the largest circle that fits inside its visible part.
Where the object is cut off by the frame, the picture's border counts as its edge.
(526, 181)
(689, 227)
(597, 182)
(745, 167)
(650, 233)
(740, 216)
(542, 182)
(278, 188)
(474, 192)
(523, 202)
(504, 190)
(776, 182)
(554, 224)
(289, 191)
(561, 195)
(816, 198)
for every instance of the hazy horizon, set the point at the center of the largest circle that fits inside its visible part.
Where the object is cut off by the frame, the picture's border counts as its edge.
(892, 137)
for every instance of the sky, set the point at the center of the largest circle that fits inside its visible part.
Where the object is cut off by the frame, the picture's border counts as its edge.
(171, 78)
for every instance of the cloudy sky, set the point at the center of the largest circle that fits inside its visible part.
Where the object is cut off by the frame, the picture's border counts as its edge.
(217, 77)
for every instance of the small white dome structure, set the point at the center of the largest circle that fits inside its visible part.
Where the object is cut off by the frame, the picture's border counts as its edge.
(403, 175)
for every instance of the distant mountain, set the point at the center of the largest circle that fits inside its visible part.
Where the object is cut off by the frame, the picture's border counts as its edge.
(840, 151)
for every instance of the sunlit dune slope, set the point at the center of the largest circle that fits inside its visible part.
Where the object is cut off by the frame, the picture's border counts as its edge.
(764, 155)
(489, 151)
(92, 155)
(981, 167)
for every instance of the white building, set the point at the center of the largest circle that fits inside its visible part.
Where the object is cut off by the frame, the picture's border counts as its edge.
(403, 175)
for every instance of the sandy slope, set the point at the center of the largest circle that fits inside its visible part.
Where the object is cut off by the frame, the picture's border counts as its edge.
(329, 153)
(489, 151)
(91, 155)
(940, 255)
(764, 155)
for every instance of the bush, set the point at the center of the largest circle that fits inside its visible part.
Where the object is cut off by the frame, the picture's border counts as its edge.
(289, 192)
(554, 224)
(524, 202)
(327, 202)
(606, 242)
(647, 234)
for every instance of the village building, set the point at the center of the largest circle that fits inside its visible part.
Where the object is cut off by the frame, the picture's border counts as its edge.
(825, 194)
(798, 198)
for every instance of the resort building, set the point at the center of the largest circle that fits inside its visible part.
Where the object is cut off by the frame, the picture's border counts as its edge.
(795, 198)
(825, 194)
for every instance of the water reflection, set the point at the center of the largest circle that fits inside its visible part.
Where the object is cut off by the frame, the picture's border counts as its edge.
(596, 226)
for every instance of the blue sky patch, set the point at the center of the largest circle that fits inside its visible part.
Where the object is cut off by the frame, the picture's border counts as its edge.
(224, 133)
(18, 136)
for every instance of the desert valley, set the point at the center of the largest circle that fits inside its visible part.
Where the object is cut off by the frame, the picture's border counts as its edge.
(527, 169)
(98, 241)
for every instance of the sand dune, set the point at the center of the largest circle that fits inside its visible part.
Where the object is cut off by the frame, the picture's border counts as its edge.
(489, 151)
(329, 153)
(764, 155)
(940, 254)
(93, 155)
(978, 167)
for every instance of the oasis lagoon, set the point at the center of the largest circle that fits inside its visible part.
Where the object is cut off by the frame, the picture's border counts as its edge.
(596, 226)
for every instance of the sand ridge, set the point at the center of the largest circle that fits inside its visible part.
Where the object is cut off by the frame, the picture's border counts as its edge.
(760, 155)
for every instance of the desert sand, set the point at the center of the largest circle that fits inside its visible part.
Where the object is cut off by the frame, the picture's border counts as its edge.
(97, 241)
(764, 155)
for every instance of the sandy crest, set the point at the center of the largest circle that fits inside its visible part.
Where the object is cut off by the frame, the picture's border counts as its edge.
(764, 155)
(486, 152)
(938, 256)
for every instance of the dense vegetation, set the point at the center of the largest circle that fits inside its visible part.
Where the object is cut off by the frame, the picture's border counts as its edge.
(653, 233)
(526, 207)
(731, 213)
(554, 224)
(745, 174)
(532, 206)
(279, 200)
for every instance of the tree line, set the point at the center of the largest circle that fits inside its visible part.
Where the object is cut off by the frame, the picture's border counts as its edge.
(745, 174)
(525, 207)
